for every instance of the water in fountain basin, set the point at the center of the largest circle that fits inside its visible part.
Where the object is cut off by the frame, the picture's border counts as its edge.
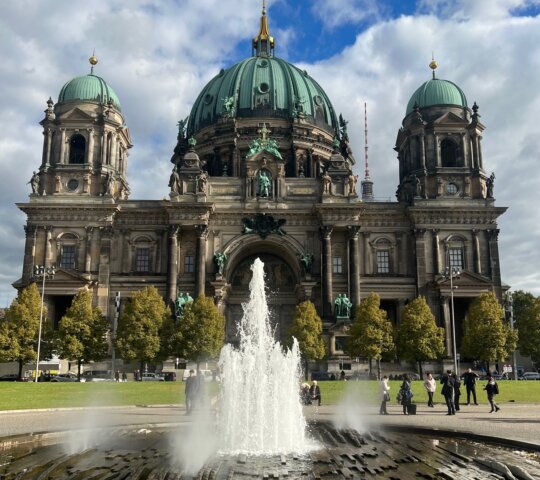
(261, 413)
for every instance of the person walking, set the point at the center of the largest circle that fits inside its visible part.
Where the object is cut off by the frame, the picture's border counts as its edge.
(405, 394)
(384, 390)
(430, 385)
(492, 389)
(315, 392)
(192, 391)
(469, 379)
(447, 381)
(457, 391)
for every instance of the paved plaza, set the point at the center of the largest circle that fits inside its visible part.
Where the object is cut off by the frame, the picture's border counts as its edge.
(517, 422)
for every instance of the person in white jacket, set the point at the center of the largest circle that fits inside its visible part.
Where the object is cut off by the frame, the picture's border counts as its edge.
(430, 386)
(384, 390)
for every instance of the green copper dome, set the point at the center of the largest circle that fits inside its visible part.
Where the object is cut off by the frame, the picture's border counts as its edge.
(262, 86)
(437, 92)
(88, 87)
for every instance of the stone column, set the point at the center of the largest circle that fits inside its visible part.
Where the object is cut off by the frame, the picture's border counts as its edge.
(326, 237)
(30, 232)
(104, 268)
(464, 151)
(476, 163)
(88, 252)
(47, 159)
(437, 150)
(436, 252)
(103, 147)
(90, 146)
(172, 263)
(420, 246)
(495, 268)
(423, 151)
(200, 262)
(47, 250)
(367, 253)
(62, 158)
(480, 160)
(112, 159)
(354, 262)
(476, 252)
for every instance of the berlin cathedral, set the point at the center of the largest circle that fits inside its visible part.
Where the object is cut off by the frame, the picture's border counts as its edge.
(262, 167)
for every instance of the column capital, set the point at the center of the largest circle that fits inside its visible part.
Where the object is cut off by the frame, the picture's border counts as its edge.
(30, 230)
(493, 234)
(326, 231)
(173, 230)
(353, 231)
(419, 232)
(201, 230)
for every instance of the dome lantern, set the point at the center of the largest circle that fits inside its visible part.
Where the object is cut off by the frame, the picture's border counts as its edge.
(263, 42)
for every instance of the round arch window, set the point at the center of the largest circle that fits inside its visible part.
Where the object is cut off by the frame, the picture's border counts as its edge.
(264, 87)
(451, 188)
(73, 184)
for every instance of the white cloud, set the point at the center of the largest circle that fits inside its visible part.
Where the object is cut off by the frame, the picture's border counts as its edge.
(336, 13)
(486, 10)
(158, 56)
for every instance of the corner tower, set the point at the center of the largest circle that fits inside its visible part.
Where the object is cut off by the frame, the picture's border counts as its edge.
(439, 145)
(86, 142)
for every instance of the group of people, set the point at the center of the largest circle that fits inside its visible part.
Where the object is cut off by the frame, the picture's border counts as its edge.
(310, 393)
(451, 391)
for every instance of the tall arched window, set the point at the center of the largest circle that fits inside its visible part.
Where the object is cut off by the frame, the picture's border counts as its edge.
(77, 149)
(449, 153)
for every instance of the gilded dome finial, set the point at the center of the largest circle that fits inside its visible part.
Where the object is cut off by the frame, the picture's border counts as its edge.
(433, 64)
(93, 61)
(263, 42)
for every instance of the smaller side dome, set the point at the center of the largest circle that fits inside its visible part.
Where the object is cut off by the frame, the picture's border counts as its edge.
(90, 88)
(437, 92)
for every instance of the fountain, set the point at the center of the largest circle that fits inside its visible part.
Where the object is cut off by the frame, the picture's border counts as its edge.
(261, 432)
(260, 411)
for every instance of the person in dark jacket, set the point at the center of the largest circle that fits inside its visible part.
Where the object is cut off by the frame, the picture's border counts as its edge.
(447, 381)
(469, 379)
(315, 392)
(492, 389)
(457, 391)
(405, 394)
(192, 391)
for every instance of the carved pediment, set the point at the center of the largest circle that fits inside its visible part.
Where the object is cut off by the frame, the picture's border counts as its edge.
(450, 118)
(76, 114)
(466, 283)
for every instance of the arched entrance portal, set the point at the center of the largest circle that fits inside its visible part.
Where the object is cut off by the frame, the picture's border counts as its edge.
(281, 283)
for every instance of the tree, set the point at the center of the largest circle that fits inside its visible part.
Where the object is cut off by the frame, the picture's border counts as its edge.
(371, 334)
(82, 332)
(138, 333)
(20, 327)
(307, 328)
(487, 336)
(418, 338)
(199, 333)
(527, 317)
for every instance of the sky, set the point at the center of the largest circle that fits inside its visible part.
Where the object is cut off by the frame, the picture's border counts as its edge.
(158, 54)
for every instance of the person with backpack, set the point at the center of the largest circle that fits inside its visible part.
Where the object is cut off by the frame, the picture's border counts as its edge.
(405, 394)
(447, 381)
(492, 389)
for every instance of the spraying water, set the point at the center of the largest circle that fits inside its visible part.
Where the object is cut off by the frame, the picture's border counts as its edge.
(261, 412)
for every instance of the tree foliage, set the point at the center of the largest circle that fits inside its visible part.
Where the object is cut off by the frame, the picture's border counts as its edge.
(200, 333)
(307, 328)
(19, 330)
(487, 336)
(371, 334)
(138, 334)
(82, 331)
(527, 318)
(418, 338)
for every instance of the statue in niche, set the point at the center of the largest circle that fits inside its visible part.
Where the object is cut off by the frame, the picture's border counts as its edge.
(174, 181)
(35, 183)
(298, 108)
(326, 183)
(264, 183)
(490, 183)
(201, 182)
(220, 259)
(417, 186)
(306, 262)
(353, 180)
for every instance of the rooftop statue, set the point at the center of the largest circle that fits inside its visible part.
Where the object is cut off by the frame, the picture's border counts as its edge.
(220, 259)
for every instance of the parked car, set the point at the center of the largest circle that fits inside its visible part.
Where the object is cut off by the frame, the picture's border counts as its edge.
(152, 377)
(66, 377)
(169, 376)
(9, 377)
(530, 376)
(98, 376)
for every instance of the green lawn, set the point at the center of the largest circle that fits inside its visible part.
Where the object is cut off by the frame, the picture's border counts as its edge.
(16, 396)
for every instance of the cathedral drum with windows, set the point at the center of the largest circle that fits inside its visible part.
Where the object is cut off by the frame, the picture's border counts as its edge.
(262, 167)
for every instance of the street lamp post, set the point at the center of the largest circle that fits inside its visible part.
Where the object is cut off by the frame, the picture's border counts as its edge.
(451, 273)
(41, 272)
(510, 305)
